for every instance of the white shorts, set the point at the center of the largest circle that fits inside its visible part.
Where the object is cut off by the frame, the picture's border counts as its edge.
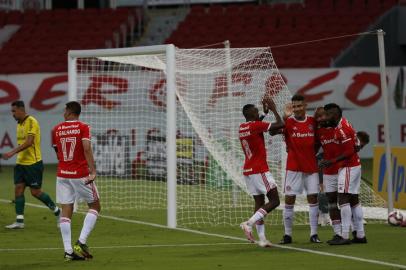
(295, 182)
(349, 179)
(260, 183)
(68, 190)
(330, 182)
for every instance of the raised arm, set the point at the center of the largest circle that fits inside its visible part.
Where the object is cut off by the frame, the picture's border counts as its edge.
(279, 124)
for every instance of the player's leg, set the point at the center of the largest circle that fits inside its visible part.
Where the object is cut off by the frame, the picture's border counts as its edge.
(345, 208)
(19, 199)
(90, 194)
(356, 209)
(252, 183)
(330, 187)
(65, 195)
(293, 185)
(334, 214)
(311, 185)
(34, 181)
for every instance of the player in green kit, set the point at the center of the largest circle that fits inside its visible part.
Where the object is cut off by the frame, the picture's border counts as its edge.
(29, 168)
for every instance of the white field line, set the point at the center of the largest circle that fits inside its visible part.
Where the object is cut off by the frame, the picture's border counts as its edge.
(132, 246)
(400, 266)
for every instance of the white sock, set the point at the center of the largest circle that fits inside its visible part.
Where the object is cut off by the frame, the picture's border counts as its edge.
(345, 211)
(358, 217)
(288, 217)
(260, 214)
(66, 234)
(261, 230)
(313, 218)
(88, 225)
(336, 226)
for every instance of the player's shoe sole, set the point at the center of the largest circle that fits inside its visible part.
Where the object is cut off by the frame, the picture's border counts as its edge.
(247, 231)
(15, 226)
(82, 249)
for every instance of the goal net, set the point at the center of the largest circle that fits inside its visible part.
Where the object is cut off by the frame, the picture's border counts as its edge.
(124, 98)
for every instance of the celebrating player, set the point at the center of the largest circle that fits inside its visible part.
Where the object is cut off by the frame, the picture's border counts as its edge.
(301, 167)
(29, 168)
(257, 177)
(326, 138)
(349, 176)
(75, 178)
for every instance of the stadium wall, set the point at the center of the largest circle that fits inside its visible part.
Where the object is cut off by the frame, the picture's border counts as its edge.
(355, 89)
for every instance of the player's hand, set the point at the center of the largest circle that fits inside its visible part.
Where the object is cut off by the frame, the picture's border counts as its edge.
(7, 155)
(90, 178)
(288, 110)
(265, 105)
(324, 163)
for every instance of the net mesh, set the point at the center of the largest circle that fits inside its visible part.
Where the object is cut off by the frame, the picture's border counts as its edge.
(124, 99)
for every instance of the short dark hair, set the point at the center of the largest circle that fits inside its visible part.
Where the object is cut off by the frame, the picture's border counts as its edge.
(330, 106)
(246, 109)
(18, 104)
(74, 107)
(297, 97)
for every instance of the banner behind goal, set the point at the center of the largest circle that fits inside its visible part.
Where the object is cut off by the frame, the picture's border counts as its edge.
(124, 98)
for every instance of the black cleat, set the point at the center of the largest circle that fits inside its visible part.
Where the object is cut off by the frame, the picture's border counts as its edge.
(287, 239)
(73, 257)
(82, 249)
(315, 239)
(357, 240)
(336, 237)
(339, 242)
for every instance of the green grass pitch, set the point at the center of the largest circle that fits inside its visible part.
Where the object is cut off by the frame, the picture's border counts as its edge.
(127, 244)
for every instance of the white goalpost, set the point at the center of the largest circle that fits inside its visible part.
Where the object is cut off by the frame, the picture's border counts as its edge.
(165, 131)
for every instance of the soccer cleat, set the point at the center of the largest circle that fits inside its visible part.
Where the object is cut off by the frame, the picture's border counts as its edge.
(247, 231)
(315, 239)
(357, 240)
(15, 225)
(73, 257)
(287, 239)
(82, 249)
(339, 241)
(335, 238)
(264, 243)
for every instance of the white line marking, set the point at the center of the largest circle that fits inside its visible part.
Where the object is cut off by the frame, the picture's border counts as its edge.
(401, 266)
(135, 246)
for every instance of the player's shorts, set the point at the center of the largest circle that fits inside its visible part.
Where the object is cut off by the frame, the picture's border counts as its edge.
(70, 190)
(30, 175)
(260, 183)
(330, 182)
(296, 182)
(349, 179)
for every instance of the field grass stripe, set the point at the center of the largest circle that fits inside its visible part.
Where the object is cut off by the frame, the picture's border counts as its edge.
(401, 266)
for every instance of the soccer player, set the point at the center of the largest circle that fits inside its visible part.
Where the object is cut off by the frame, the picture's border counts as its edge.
(75, 178)
(301, 167)
(29, 168)
(349, 176)
(257, 177)
(325, 136)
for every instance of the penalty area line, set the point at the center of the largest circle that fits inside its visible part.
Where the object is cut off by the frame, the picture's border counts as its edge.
(322, 253)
